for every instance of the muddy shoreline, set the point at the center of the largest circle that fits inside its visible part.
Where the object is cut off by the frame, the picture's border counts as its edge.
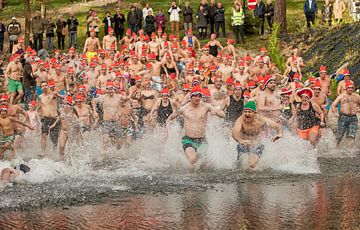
(65, 192)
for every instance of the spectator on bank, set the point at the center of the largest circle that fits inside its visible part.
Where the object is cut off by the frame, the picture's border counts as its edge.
(108, 22)
(202, 22)
(145, 11)
(2, 32)
(339, 10)
(259, 14)
(38, 28)
(119, 20)
(14, 31)
(310, 11)
(139, 13)
(219, 19)
(160, 20)
(188, 16)
(211, 14)
(61, 32)
(132, 19)
(269, 14)
(93, 22)
(327, 12)
(72, 24)
(354, 9)
(28, 81)
(49, 30)
(149, 23)
(174, 17)
(238, 23)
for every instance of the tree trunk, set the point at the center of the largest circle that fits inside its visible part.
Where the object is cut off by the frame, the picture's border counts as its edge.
(27, 14)
(2, 4)
(43, 8)
(280, 15)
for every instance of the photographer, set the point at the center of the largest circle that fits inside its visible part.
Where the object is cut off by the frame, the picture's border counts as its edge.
(72, 23)
(14, 30)
(174, 17)
(108, 22)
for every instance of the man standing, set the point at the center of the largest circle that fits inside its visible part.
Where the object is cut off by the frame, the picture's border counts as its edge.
(92, 45)
(195, 115)
(349, 107)
(259, 13)
(13, 74)
(219, 19)
(119, 20)
(38, 28)
(310, 10)
(269, 100)
(72, 23)
(14, 30)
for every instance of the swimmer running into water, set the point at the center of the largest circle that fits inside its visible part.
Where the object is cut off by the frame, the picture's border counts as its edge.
(247, 132)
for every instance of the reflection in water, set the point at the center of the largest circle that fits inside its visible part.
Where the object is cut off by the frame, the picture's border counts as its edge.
(324, 204)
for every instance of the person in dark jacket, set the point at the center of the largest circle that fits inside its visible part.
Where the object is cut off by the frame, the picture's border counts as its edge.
(202, 22)
(108, 22)
(211, 14)
(132, 19)
(38, 28)
(149, 23)
(219, 19)
(259, 13)
(60, 32)
(119, 20)
(188, 16)
(2, 32)
(72, 24)
(49, 30)
(269, 13)
(160, 20)
(310, 11)
(28, 82)
(139, 14)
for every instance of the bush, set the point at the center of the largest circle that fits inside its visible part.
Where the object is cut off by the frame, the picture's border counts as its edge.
(274, 48)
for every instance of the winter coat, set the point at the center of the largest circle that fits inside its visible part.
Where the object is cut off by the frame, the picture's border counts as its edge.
(260, 10)
(149, 24)
(160, 20)
(310, 10)
(106, 25)
(219, 15)
(339, 9)
(202, 19)
(49, 28)
(174, 14)
(37, 25)
(327, 12)
(2, 27)
(188, 14)
(132, 18)
(119, 23)
(59, 26)
(72, 24)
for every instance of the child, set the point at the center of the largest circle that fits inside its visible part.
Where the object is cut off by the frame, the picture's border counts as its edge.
(34, 117)
(7, 128)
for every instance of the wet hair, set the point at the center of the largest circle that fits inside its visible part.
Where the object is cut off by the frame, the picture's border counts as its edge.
(22, 167)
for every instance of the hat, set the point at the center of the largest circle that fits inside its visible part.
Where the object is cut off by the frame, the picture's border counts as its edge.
(262, 49)
(251, 84)
(346, 72)
(248, 57)
(4, 97)
(237, 86)
(229, 81)
(128, 32)
(317, 85)
(322, 69)
(246, 94)
(285, 91)
(109, 85)
(82, 88)
(195, 82)
(296, 76)
(152, 56)
(250, 105)
(196, 90)
(267, 80)
(110, 30)
(32, 103)
(165, 91)
(298, 85)
(51, 83)
(185, 87)
(231, 41)
(13, 18)
(71, 50)
(71, 69)
(103, 66)
(206, 92)
(69, 100)
(242, 64)
(79, 97)
(349, 84)
(3, 107)
(305, 91)
(137, 78)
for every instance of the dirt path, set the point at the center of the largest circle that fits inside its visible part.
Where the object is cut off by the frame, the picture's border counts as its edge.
(81, 6)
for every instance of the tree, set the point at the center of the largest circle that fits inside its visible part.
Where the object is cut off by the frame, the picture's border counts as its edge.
(27, 14)
(280, 14)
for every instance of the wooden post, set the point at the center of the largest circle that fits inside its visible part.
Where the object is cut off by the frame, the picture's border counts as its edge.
(280, 15)
(27, 14)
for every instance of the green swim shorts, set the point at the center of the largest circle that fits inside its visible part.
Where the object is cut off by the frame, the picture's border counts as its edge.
(14, 86)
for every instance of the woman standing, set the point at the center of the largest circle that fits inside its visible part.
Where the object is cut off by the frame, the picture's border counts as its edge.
(238, 23)
(339, 10)
(202, 22)
(61, 32)
(174, 17)
(149, 23)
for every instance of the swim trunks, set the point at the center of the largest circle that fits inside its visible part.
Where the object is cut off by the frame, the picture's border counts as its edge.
(191, 142)
(111, 128)
(329, 104)
(90, 55)
(347, 124)
(14, 86)
(125, 132)
(7, 139)
(304, 133)
(242, 149)
(46, 122)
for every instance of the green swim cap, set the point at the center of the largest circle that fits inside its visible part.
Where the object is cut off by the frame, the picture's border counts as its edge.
(251, 105)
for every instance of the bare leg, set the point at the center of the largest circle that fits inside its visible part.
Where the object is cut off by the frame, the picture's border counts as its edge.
(12, 97)
(5, 176)
(313, 137)
(62, 143)
(191, 155)
(253, 160)
(43, 144)
(19, 96)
